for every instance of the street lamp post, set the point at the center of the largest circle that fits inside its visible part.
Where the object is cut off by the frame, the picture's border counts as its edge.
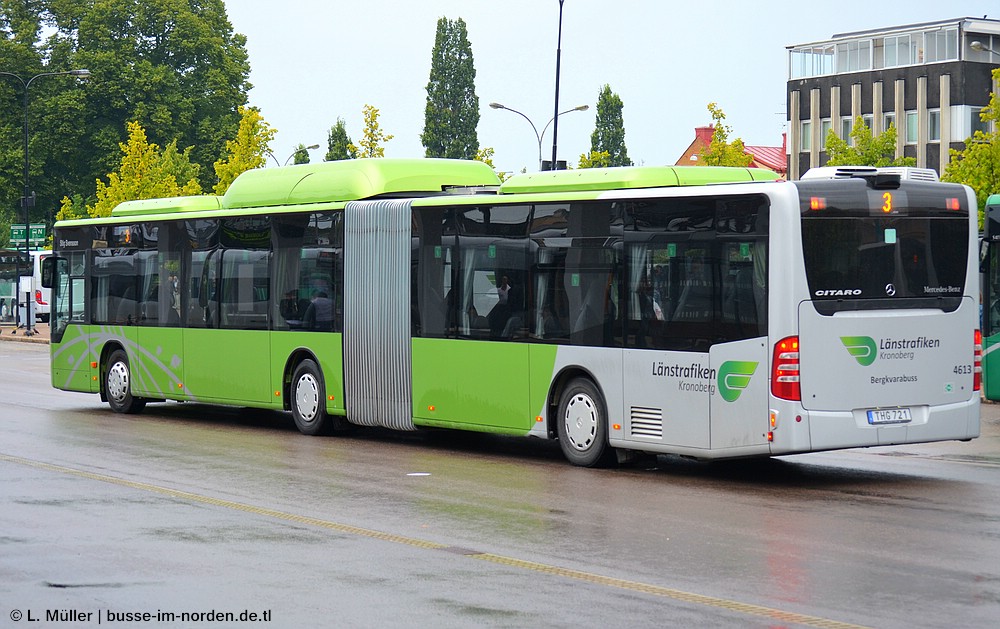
(28, 199)
(555, 115)
(294, 153)
(539, 136)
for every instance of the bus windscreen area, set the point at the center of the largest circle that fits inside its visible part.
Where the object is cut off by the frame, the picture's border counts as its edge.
(869, 248)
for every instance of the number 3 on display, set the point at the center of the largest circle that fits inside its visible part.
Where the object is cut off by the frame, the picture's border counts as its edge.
(887, 202)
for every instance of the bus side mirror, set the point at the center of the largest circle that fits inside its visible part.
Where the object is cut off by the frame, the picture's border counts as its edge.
(49, 271)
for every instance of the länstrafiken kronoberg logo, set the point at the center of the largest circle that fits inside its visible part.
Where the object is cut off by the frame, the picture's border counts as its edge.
(734, 376)
(863, 348)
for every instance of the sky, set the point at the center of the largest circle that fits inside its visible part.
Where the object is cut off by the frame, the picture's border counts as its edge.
(313, 61)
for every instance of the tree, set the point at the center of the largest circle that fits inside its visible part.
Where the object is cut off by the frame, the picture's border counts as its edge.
(595, 159)
(373, 137)
(866, 149)
(249, 149)
(175, 66)
(144, 173)
(301, 154)
(339, 145)
(451, 114)
(485, 155)
(720, 151)
(978, 165)
(609, 131)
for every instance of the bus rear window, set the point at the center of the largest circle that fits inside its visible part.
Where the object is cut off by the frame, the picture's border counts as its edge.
(864, 244)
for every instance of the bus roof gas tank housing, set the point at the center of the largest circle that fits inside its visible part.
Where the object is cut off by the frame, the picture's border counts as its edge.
(353, 180)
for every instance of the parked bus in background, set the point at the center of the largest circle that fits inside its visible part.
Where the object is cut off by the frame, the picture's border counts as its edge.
(706, 312)
(990, 267)
(41, 296)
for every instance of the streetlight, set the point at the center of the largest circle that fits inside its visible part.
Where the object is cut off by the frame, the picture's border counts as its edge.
(28, 199)
(294, 153)
(555, 115)
(978, 46)
(539, 136)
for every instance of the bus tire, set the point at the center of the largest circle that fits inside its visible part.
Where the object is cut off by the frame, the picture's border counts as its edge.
(308, 402)
(583, 425)
(118, 385)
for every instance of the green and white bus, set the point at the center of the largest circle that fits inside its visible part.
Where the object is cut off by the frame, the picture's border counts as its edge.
(706, 312)
(991, 298)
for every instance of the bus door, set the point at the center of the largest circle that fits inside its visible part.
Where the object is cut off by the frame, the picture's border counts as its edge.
(471, 290)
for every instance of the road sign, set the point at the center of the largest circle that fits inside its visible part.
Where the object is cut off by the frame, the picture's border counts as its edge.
(36, 235)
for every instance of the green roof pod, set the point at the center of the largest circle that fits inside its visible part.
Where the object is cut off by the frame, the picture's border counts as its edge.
(353, 179)
(167, 205)
(626, 177)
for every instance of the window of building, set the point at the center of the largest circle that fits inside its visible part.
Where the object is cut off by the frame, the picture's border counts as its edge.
(976, 121)
(941, 45)
(912, 130)
(854, 56)
(824, 130)
(846, 126)
(814, 61)
(934, 125)
(806, 128)
(888, 119)
(869, 120)
(900, 50)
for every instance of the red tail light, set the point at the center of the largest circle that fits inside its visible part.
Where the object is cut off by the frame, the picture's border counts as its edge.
(977, 362)
(38, 298)
(785, 369)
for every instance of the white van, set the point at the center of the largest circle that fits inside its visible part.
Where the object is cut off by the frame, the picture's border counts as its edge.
(42, 296)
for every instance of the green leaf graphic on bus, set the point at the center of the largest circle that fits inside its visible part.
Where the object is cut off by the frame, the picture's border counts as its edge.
(734, 376)
(861, 347)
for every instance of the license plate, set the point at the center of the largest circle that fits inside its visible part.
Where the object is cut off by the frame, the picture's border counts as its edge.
(889, 416)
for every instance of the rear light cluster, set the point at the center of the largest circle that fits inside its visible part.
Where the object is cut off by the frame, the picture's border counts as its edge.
(977, 362)
(785, 370)
(38, 298)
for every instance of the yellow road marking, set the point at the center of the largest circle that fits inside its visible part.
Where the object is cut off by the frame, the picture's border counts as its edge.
(578, 575)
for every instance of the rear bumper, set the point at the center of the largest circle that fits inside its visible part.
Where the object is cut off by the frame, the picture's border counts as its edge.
(850, 429)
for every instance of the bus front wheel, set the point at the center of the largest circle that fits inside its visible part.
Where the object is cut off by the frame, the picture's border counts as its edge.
(118, 385)
(583, 425)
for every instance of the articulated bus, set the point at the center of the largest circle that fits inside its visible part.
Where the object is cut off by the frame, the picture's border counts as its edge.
(991, 298)
(705, 312)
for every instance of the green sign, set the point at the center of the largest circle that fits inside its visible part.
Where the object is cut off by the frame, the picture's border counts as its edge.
(36, 235)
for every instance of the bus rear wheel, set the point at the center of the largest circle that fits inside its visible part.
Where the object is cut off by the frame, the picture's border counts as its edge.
(583, 425)
(118, 384)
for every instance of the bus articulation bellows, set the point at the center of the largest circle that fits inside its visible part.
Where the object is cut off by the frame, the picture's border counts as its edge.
(706, 312)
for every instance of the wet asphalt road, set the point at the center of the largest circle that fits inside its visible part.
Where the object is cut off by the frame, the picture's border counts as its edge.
(197, 510)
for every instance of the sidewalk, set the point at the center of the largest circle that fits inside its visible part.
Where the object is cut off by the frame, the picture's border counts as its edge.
(8, 332)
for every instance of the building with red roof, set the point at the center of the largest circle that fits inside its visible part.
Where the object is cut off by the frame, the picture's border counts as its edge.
(769, 157)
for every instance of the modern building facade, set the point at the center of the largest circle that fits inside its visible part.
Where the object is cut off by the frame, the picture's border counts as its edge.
(930, 79)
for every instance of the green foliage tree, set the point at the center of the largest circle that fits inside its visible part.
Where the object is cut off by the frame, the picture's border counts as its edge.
(451, 114)
(485, 155)
(609, 131)
(720, 151)
(249, 149)
(175, 66)
(978, 165)
(339, 145)
(373, 137)
(866, 149)
(595, 159)
(144, 173)
(301, 155)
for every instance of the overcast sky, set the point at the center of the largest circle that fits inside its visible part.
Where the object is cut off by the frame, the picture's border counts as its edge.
(316, 60)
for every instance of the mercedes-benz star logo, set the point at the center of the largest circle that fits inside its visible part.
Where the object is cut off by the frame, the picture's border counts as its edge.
(890, 290)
